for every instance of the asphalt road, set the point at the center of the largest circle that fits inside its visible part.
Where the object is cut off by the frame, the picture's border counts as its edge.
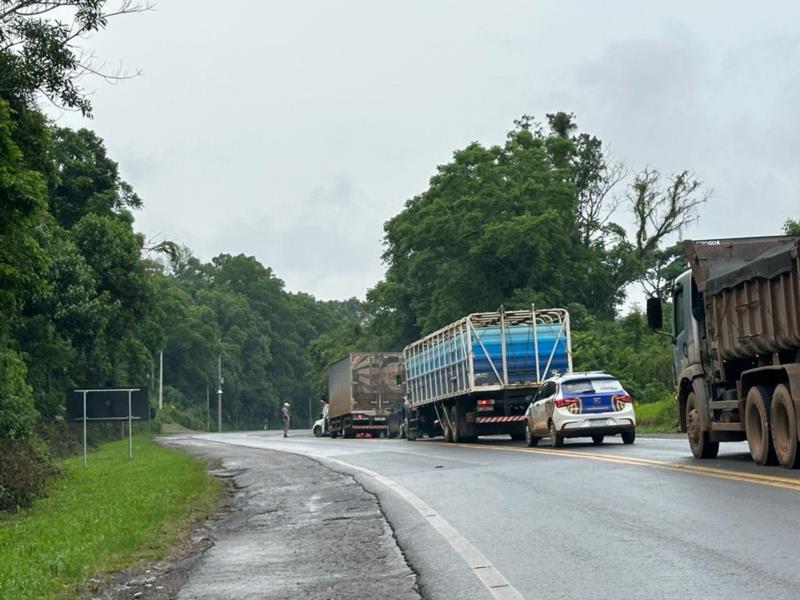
(498, 520)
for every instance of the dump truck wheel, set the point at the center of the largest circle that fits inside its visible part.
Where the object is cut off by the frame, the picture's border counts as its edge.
(757, 425)
(699, 440)
(784, 428)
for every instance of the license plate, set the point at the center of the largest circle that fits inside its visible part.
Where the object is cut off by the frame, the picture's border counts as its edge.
(379, 419)
(599, 421)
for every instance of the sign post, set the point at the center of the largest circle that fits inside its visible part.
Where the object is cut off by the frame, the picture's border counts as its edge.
(84, 427)
(130, 429)
(108, 404)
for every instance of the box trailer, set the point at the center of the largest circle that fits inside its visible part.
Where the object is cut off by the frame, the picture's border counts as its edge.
(362, 387)
(736, 340)
(477, 376)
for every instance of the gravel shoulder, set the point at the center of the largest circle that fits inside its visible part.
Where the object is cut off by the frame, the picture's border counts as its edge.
(294, 529)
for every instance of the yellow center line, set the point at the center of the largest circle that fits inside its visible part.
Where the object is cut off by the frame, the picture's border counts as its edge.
(787, 483)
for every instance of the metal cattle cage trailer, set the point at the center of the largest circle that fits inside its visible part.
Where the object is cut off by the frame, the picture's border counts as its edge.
(362, 387)
(476, 376)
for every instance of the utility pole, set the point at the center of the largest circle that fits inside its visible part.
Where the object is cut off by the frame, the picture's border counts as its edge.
(160, 379)
(219, 393)
(310, 421)
(208, 410)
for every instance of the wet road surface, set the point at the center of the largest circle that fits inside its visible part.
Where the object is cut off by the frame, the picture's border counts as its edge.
(611, 521)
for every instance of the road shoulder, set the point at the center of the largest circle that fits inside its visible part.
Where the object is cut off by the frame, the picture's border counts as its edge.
(296, 530)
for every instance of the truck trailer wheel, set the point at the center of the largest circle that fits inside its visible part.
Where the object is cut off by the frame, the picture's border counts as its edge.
(784, 428)
(756, 423)
(699, 440)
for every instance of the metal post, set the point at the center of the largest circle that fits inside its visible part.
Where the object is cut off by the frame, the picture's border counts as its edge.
(219, 393)
(535, 343)
(160, 379)
(503, 343)
(208, 410)
(310, 422)
(84, 428)
(130, 428)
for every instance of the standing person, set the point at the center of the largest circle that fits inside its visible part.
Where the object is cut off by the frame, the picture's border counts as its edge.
(287, 419)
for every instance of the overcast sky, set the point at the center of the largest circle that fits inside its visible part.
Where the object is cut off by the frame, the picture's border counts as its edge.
(292, 130)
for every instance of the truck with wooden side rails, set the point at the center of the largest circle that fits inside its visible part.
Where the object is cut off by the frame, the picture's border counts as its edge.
(362, 388)
(736, 340)
(477, 376)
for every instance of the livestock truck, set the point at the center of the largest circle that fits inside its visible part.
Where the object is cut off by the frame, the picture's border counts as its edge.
(362, 387)
(736, 340)
(477, 376)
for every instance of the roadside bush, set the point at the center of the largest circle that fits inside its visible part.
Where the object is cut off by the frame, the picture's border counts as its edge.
(661, 416)
(24, 470)
(17, 413)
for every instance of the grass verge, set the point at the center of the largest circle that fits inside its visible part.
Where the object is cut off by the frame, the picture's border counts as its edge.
(657, 417)
(102, 518)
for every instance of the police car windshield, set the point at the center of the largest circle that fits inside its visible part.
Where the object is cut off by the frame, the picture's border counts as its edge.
(591, 386)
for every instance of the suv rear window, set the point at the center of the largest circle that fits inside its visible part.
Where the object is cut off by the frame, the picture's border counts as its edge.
(591, 386)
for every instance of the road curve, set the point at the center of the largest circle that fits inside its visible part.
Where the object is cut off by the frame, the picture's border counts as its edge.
(611, 521)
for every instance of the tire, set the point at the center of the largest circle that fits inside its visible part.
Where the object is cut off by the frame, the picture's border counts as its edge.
(784, 428)
(456, 435)
(757, 425)
(628, 437)
(699, 440)
(446, 432)
(531, 440)
(556, 441)
(404, 428)
(598, 439)
(317, 431)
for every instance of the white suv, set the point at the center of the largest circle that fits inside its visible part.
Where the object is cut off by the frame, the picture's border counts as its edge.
(590, 404)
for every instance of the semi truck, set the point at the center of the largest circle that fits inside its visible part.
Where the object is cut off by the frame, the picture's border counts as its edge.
(477, 375)
(736, 341)
(362, 387)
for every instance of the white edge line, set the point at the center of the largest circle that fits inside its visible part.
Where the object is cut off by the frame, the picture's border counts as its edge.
(492, 579)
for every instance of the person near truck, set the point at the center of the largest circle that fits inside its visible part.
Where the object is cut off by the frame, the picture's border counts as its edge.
(287, 419)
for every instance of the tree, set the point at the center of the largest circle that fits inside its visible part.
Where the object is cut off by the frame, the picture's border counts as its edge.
(88, 181)
(41, 49)
(661, 211)
(791, 227)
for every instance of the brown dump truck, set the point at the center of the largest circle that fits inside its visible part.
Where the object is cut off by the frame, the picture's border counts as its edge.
(736, 338)
(362, 389)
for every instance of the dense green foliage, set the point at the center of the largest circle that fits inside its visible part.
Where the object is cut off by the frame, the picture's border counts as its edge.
(84, 302)
(76, 533)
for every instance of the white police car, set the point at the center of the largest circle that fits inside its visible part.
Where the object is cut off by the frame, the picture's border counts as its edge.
(592, 404)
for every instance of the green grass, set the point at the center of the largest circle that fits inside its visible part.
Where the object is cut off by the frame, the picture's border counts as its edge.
(657, 417)
(101, 518)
